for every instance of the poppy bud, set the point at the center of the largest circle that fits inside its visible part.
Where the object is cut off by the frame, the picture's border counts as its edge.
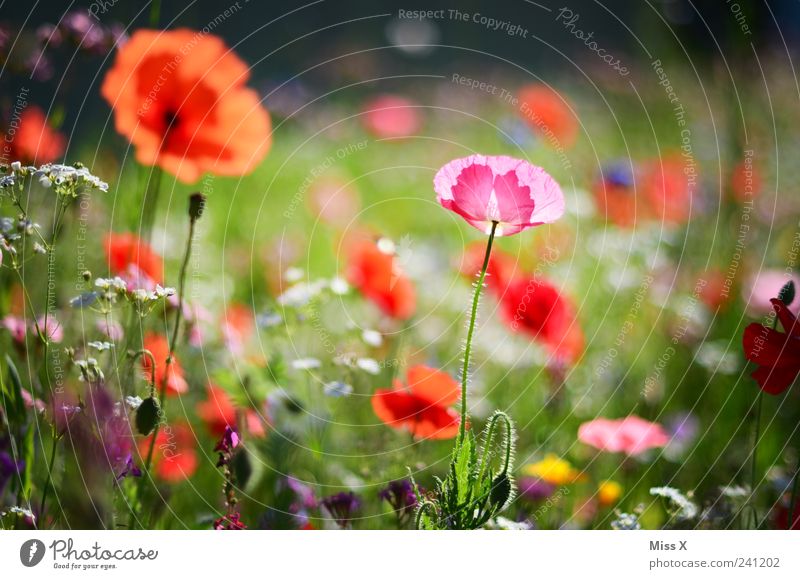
(87, 275)
(786, 295)
(147, 415)
(197, 202)
(501, 490)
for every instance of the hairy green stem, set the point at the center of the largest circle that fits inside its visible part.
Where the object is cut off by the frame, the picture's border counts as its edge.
(49, 478)
(163, 386)
(462, 429)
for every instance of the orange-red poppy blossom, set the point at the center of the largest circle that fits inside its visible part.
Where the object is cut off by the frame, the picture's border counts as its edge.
(31, 140)
(423, 407)
(158, 346)
(179, 97)
(174, 455)
(378, 276)
(549, 115)
(125, 251)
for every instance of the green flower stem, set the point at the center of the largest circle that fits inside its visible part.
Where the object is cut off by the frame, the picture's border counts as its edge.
(757, 435)
(462, 429)
(49, 478)
(163, 386)
(793, 500)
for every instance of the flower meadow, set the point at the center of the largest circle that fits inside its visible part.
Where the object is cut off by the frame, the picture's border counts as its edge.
(486, 298)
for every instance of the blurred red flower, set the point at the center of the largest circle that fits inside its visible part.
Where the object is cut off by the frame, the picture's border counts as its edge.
(548, 114)
(500, 271)
(33, 140)
(745, 181)
(631, 435)
(487, 189)
(238, 325)
(174, 456)
(390, 116)
(159, 347)
(378, 276)
(615, 195)
(536, 308)
(777, 354)
(129, 256)
(667, 189)
(179, 96)
(218, 411)
(423, 407)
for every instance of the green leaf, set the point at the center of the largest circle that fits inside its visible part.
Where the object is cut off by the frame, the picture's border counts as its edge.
(13, 392)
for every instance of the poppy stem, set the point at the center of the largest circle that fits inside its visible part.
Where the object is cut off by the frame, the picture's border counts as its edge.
(46, 489)
(462, 429)
(757, 435)
(793, 501)
(163, 386)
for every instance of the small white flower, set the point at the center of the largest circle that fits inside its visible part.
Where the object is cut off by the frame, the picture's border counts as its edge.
(306, 364)
(339, 286)
(293, 274)
(369, 366)
(372, 337)
(100, 346)
(133, 402)
(337, 389)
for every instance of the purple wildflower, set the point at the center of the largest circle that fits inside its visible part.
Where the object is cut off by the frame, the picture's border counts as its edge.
(342, 506)
(401, 496)
(534, 489)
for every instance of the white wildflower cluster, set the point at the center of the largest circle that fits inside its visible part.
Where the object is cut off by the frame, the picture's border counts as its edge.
(353, 361)
(14, 231)
(100, 346)
(302, 292)
(506, 524)
(682, 508)
(626, 522)
(110, 289)
(19, 512)
(90, 370)
(143, 298)
(67, 180)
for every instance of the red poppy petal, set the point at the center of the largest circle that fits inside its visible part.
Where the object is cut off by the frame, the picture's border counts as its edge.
(433, 385)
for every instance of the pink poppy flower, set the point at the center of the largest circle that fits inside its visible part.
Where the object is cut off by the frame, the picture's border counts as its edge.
(631, 435)
(390, 116)
(484, 189)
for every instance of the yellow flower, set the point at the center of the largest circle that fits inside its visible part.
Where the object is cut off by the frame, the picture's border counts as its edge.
(554, 470)
(608, 492)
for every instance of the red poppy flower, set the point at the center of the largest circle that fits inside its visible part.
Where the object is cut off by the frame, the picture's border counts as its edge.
(159, 347)
(487, 189)
(377, 275)
(501, 269)
(548, 114)
(174, 456)
(32, 140)
(668, 190)
(423, 407)
(129, 256)
(218, 411)
(179, 96)
(536, 308)
(237, 327)
(777, 354)
(389, 116)
(745, 181)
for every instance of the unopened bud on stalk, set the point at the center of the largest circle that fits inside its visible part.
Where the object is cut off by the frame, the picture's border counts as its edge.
(197, 202)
